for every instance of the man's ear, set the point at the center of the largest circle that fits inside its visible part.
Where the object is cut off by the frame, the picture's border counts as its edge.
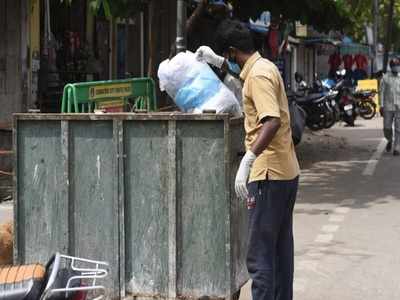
(232, 52)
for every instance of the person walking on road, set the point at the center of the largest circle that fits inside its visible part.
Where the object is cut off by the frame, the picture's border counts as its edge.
(268, 174)
(390, 106)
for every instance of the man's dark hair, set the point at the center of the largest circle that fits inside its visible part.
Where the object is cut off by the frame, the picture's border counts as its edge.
(231, 33)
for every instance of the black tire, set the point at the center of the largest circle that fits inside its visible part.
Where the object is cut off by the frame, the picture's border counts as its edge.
(367, 110)
(314, 126)
(330, 120)
(349, 120)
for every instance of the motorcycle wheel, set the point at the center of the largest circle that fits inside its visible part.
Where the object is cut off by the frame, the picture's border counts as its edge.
(330, 120)
(314, 126)
(367, 110)
(349, 120)
(329, 115)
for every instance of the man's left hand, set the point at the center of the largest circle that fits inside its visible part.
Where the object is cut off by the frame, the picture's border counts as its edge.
(243, 175)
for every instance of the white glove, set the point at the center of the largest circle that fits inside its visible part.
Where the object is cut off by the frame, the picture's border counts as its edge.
(243, 174)
(205, 53)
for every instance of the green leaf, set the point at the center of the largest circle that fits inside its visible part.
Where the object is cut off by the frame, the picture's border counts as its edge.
(107, 9)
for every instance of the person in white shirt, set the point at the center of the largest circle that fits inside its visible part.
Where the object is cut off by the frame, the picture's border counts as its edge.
(390, 106)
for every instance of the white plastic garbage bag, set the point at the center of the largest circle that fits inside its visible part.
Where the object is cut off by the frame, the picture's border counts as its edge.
(194, 86)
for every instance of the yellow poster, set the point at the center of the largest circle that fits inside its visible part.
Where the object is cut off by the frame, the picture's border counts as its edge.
(110, 91)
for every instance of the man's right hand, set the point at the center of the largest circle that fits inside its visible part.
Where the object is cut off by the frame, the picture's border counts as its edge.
(205, 53)
(243, 174)
(381, 111)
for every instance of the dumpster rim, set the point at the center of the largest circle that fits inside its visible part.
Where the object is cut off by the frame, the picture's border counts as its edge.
(122, 116)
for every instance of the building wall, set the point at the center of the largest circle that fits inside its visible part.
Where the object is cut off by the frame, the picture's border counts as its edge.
(323, 66)
(13, 55)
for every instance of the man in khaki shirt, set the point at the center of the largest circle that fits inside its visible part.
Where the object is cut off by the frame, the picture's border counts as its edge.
(269, 172)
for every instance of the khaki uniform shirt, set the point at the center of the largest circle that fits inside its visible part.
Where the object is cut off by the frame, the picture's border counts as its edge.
(264, 96)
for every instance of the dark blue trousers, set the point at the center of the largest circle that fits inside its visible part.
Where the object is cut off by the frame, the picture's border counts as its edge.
(270, 249)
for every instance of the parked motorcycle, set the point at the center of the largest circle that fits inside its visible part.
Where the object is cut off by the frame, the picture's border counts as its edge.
(64, 277)
(365, 104)
(346, 104)
(318, 105)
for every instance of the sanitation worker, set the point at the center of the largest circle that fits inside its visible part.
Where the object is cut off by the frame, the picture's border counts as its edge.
(268, 175)
(390, 106)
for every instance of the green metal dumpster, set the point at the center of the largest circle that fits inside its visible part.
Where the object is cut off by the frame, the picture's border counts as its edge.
(150, 193)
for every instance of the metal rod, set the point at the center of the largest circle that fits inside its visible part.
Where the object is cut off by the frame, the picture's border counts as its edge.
(181, 26)
(376, 34)
(388, 36)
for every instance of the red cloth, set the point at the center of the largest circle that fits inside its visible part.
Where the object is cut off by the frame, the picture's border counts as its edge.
(348, 61)
(361, 62)
(335, 61)
(273, 43)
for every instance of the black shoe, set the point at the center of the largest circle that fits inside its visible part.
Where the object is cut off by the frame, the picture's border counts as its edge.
(396, 153)
(389, 147)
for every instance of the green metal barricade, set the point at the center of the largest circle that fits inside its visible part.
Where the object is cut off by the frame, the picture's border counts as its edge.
(112, 96)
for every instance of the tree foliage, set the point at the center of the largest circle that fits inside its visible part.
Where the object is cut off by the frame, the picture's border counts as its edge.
(324, 15)
(116, 8)
(360, 13)
(348, 16)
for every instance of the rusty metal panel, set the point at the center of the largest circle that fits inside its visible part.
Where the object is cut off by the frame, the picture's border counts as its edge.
(202, 209)
(146, 206)
(239, 213)
(150, 193)
(93, 209)
(41, 207)
(66, 198)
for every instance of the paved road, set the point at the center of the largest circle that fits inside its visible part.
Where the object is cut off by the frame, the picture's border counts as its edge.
(347, 224)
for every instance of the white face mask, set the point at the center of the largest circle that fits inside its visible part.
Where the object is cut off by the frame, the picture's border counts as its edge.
(396, 69)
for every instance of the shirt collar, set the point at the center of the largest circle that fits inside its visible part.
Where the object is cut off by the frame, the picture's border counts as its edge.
(249, 65)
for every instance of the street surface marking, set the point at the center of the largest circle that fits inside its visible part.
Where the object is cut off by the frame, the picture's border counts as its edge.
(311, 260)
(324, 238)
(373, 162)
(330, 228)
(336, 218)
(342, 210)
(348, 202)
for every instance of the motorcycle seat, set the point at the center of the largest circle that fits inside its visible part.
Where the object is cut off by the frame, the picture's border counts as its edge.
(315, 96)
(363, 94)
(310, 98)
(22, 282)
